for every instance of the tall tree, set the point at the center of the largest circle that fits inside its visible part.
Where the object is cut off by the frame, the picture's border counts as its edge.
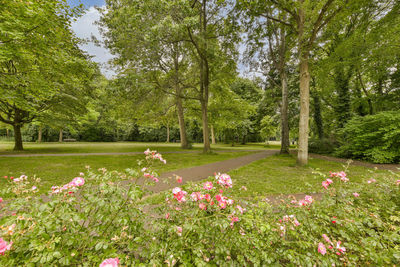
(41, 67)
(305, 18)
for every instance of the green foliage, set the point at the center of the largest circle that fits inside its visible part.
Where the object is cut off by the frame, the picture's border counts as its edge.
(268, 127)
(322, 146)
(374, 138)
(106, 218)
(43, 74)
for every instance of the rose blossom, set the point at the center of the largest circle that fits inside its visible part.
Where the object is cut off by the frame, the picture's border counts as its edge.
(179, 230)
(78, 181)
(355, 194)
(326, 238)
(341, 249)
(202, 206)
(240, 209)
(112, 262)
(321, 248)
(4, 246)
(208, 185)
(308, 199)
(325, 184)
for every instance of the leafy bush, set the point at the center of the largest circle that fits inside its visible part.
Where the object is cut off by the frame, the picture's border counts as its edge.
(374, 138)
(96, 218)
(321, 146)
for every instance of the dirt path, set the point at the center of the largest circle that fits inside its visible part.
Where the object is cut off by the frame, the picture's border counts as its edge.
(201, 172)
(117, 153)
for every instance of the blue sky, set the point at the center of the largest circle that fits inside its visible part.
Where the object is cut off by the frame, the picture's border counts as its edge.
(84, 27)
(87, 3)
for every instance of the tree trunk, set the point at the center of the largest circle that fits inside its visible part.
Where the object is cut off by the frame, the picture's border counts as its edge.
(285, 143)
(60, 137)
(206, 133)
(182, 126)
(40, 134)
(212, 135)
(18, 137)
(8, 132)
(302, 156)
(167, 133)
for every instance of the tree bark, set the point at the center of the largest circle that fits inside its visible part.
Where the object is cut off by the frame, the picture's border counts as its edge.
(167, 133)
(212, 135)
(60, 137)
(182, 126)
(18, 137)
(40, 133)
(206, 133)
(285, 143)
(179, 106)
(304, 51)
(7, 133)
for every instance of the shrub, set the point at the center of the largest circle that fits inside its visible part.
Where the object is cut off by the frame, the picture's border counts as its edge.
(374, 138)
(96, 219)
(321, 146)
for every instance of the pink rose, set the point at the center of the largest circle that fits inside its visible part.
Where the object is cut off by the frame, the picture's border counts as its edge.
(308, 199)
(4, 246)
(112, 262)
(208, 185)
(222, 204)
(179, 230)
(1, 200)
(326, 238)
(202, 206)
(240, 209)
(78, 181)
(321, 248)
(355, 194)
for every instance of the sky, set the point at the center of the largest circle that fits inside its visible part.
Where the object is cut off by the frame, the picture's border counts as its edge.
(84, 27)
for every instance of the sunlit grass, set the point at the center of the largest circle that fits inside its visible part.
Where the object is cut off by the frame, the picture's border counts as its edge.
(59, 170)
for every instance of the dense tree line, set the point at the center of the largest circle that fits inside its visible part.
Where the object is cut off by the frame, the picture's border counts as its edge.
(321, 65)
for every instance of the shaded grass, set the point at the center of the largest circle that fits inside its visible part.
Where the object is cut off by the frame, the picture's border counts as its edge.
(60, 170)
(279, 174)
(109, 147)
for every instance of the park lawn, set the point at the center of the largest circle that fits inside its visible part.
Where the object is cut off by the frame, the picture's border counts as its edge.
(61, 169)
(279, 174)
(110, 147)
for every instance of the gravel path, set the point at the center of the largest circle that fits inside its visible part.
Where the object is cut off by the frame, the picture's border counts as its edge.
(201, 172)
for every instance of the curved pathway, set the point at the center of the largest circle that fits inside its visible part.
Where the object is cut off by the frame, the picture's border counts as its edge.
(202, 172)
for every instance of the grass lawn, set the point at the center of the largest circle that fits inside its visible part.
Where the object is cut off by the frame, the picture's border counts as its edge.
(280, 175)
(60, 170)
(91, 147)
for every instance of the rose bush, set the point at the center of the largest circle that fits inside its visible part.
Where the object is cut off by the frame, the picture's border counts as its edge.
(102, 218)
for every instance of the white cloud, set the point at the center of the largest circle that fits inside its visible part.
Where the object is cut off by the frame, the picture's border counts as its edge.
(84, 27)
